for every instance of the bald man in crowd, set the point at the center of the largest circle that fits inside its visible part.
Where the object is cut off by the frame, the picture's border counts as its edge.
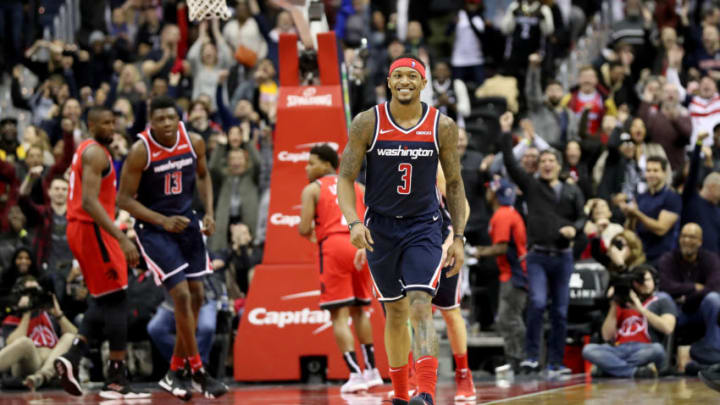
(691, 275)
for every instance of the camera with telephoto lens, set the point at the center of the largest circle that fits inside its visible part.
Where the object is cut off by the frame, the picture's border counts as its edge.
(38, 298)
(623, 284)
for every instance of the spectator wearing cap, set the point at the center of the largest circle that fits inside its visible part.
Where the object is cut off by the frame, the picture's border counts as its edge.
(701, 207)
(635, 28)
(656, 214)
(509, 239)
(555, 217)
(99, 65)
(599, 229)
(632, 178)
(691, 275)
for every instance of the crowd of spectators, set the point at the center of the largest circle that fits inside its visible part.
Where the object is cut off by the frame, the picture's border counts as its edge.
(622, 148)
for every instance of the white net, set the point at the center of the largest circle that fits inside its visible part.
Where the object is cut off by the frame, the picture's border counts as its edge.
(207, 9)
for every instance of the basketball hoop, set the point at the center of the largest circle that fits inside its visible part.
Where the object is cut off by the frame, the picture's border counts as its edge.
(208, 10)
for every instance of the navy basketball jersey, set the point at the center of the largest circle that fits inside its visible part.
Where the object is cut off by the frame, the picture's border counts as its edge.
(168, 182)
(402, 165)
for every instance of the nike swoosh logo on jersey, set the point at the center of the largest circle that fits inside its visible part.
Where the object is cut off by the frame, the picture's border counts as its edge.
(156, 154)
(385, 131)
(435, 218)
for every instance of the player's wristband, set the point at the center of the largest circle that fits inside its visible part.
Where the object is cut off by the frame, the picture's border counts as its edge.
(461, 236)
(353, 223)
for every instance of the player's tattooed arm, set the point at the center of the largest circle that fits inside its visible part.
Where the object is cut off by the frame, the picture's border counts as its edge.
(455, 191)
(450, 161)
(361, 132)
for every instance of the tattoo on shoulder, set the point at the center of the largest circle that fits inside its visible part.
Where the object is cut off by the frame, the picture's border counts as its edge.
(361, 131)
(447, 129)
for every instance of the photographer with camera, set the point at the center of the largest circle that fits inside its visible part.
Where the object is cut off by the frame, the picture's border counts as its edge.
(32, 343)
(691, 275)
(638, 319)
(624, 252)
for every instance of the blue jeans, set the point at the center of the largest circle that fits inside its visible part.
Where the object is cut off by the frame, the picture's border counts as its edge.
(706, 315)
(161, 329)
(548, 272)
(622, 360)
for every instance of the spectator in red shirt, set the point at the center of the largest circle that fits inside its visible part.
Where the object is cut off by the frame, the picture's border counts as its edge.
(509, 246)
(633, 330)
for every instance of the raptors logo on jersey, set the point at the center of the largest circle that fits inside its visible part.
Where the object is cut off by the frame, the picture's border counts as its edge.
(168, 182)
(402, 165)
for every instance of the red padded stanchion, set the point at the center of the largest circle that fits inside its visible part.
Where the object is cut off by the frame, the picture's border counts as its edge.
(282, 320)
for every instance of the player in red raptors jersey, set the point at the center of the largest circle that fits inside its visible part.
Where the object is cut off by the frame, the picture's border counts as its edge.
(101, 249)
(403, 141)
(344, 277)
(156, 187)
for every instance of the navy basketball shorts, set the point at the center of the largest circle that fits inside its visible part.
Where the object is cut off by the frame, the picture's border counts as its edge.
(174, 257)
(448, 293)
(407, 254)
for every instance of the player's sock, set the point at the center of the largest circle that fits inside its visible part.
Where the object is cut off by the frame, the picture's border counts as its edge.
(177, 363)
(426, 368)
(351, 361)
(399, 378)
(369, 354)
(461, 361)
(195, 363)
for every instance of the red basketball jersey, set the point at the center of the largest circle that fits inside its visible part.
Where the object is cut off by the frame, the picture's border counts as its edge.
(328, 217)
(107, 186)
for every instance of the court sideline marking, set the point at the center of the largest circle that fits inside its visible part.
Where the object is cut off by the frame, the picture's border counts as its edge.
(533, 394)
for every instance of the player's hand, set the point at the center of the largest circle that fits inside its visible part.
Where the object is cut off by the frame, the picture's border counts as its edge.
(360, 237)
(360, 259)
(208, 225)
(131, 253)
(175, 223)
(702, 135)
(568, 232)
(455, 257)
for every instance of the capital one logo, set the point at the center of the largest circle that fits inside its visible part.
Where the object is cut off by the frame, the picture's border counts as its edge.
(304, 154)
(284, 220)
(280, 319)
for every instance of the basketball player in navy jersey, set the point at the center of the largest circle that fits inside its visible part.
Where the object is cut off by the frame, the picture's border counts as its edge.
(156, 187)
(403, 140)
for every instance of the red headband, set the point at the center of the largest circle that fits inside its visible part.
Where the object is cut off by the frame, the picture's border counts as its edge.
(410, 63)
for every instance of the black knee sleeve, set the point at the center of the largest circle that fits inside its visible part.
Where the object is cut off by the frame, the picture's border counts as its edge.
(115, 313)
